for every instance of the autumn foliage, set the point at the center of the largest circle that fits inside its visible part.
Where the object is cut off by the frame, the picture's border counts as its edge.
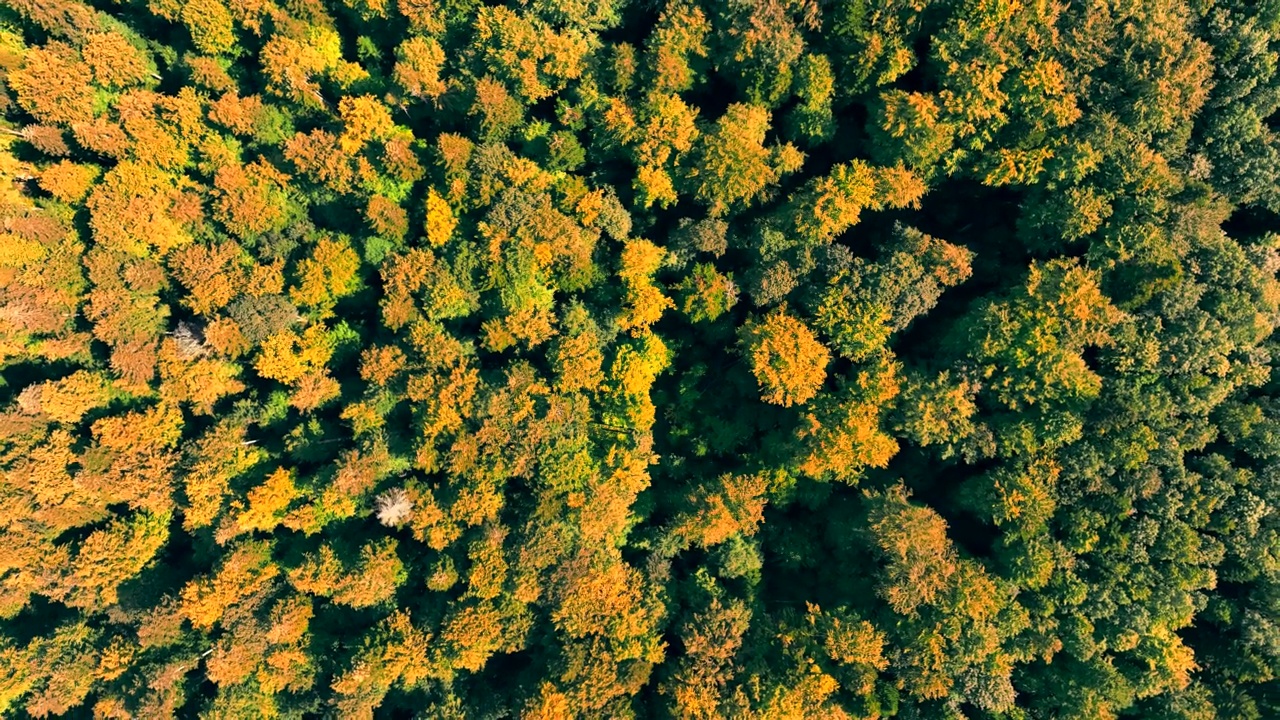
(554, 359)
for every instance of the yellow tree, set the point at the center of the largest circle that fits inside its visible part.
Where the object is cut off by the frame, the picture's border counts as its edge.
(111, 556)
(418, 64)
(645, 302)
(133, 210)
(577, 355)
(635, 365)
(68, 181)
(213, 275)
(731, 505)
(212, 461)
(328, 275)
(51, 85)
(843, 432)
(364, 119)
(69, 399)
(266, 504)
(677, 49)
(190, 377)
(210, 25)
(372, 580)
(288, 356)
(789, 363)
(396, 653)
(292, 64)
(245, 570)
(252, 200)
(116, 63)
(133, 457)
(734, 168)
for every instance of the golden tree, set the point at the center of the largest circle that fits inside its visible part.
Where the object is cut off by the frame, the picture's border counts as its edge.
(789, 363)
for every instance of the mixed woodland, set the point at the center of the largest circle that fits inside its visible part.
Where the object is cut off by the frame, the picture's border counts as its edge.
(554, 359)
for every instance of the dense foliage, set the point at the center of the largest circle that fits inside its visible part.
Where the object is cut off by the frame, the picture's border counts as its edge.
(662, 358)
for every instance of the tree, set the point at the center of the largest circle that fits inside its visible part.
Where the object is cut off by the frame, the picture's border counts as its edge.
(328, 275)
(394, 507)
(213, 276)
(371, 580)
(676, 51)
(937, 411)
(364, 119)
(132, 458)
(707, 294)
(210, 25)
(288, 356)
(292, 65)
(186, 376)
(844, 433)
(111, 556)
(115, 61)
(1030, 346)
(211, 463)
(48, 85)
(246, 571)
(58, 669)
(133, 210)
(577, 356)
(865, 304)
(267, 503)
(419, 61)
(258, 317)
(69, 399)
(789, 363)
(395, 653)
(761, 43)
(529, 57)
(873, 43)
(712, 636)
(812, 121)
(46, 139)
(67, 181)
(251, 200)
(645, 302)
(660, 140)
(910, 128)
(733, 168)
(729, 506)
(831, 204)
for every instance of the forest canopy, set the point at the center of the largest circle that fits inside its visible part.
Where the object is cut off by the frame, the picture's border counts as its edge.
(696, 359)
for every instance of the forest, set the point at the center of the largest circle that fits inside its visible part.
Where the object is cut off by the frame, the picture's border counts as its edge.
(553, 359)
